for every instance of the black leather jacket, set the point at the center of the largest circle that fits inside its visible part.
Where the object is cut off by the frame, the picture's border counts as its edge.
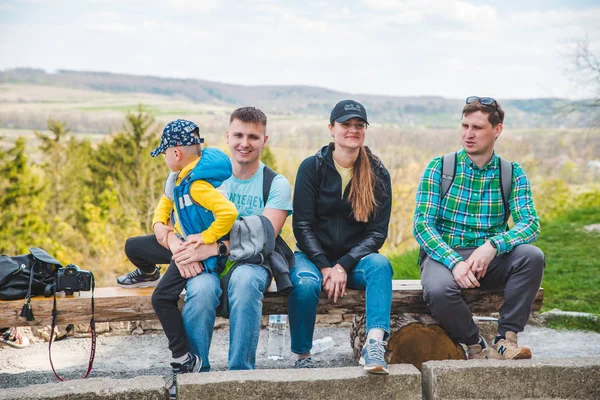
(324, 226)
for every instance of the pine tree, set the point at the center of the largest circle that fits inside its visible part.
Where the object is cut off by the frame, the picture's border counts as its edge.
(64, 162)
(22, 206)
(124, 165)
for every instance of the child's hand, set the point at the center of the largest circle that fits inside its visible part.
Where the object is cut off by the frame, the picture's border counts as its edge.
(196, 239)
(161, 231)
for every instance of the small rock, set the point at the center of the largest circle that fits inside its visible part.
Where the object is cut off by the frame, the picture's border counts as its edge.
(82, 328)
(102, 327)
(43, 332)
(121, 326)
(151, 325)
(138, 331)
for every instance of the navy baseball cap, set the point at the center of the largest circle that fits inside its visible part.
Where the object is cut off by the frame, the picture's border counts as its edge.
(347, 109)
(178, 133)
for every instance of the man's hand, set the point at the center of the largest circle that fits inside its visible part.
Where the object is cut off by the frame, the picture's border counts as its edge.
(335, 282)
(188, 253)
(481, 258)
(188, 269)
(161, 231)
(196, 240)
(464, 276)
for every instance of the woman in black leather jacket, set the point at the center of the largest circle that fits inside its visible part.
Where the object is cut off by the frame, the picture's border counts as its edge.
(342, 205)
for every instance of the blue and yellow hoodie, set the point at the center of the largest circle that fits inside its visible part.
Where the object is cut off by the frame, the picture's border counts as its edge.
(194, 205)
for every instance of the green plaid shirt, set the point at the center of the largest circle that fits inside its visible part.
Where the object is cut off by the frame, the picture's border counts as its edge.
(472, 211)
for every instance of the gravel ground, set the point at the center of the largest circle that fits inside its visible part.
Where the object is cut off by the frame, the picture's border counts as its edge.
(130, 356)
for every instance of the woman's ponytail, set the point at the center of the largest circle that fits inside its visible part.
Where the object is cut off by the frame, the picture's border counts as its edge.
(362, 188)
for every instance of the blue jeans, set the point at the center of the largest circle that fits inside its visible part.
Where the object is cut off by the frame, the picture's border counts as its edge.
(245, 291)
(373, 273)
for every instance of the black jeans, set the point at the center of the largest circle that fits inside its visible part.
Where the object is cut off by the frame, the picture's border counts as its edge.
(145, 252)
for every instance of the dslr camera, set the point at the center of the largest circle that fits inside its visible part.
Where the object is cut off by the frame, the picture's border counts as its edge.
(73, 279)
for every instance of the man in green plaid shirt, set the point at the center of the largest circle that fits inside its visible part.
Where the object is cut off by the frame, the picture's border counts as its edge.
(466, 242)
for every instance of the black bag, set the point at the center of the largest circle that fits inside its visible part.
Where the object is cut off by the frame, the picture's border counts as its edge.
(25, 276)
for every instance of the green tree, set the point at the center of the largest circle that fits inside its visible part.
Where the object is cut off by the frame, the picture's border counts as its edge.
(268, 158)
(22, 206)
(64, 162)
(123, 165)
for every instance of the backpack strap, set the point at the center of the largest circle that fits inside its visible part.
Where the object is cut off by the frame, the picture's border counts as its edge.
(268, 176)
(448, 172)
(506, 173)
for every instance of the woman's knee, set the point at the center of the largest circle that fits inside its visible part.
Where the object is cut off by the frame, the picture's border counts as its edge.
(306, 283)
(379, 264)
(305, 277)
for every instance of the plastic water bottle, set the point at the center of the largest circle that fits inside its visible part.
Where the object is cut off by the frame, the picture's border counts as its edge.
(277, 332)
(321, 345)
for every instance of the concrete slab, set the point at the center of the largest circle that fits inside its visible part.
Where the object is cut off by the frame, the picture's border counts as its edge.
(565, 378)
(403, 382)
(140, 388)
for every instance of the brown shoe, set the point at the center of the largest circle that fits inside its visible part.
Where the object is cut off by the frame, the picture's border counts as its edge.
(478, 351)
(509, 349)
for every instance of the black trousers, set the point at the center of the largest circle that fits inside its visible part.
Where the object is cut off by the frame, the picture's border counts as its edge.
(145, 252)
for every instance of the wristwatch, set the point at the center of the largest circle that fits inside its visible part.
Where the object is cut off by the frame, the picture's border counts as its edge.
(222, 248)
(493, 244)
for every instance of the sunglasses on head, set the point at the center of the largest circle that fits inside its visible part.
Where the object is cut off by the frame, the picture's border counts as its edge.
(486, 101)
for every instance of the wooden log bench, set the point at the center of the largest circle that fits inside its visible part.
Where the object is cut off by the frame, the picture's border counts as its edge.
(416, 336)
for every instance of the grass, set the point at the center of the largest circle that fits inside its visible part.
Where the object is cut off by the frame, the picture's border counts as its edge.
(405, 265)
(572, 276)
(572, 323)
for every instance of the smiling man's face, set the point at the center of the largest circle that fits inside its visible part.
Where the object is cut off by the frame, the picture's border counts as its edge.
(245, 141)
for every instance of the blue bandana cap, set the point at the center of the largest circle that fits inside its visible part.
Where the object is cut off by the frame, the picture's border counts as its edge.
(177, 133)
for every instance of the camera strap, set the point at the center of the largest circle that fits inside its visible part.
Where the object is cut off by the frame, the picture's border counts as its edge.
(92, 331)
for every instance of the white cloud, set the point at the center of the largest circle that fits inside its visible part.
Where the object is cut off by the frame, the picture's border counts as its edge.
(416, 11)
(434, 47)
(195, 6)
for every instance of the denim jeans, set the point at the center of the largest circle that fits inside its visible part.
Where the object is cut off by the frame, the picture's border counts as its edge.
(245, 292)
(373, 273)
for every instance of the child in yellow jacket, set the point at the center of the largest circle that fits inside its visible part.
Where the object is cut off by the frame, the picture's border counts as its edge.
(192, 210)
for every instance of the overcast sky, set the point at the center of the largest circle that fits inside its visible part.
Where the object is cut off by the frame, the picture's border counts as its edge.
(503, 49)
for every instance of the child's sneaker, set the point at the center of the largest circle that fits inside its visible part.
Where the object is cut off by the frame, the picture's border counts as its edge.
(478, 351)
(192, 364)
(372, 357)
(508, 349)
(137, 278)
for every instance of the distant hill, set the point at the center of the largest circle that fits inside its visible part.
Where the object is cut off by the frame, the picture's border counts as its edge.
(425, 111)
